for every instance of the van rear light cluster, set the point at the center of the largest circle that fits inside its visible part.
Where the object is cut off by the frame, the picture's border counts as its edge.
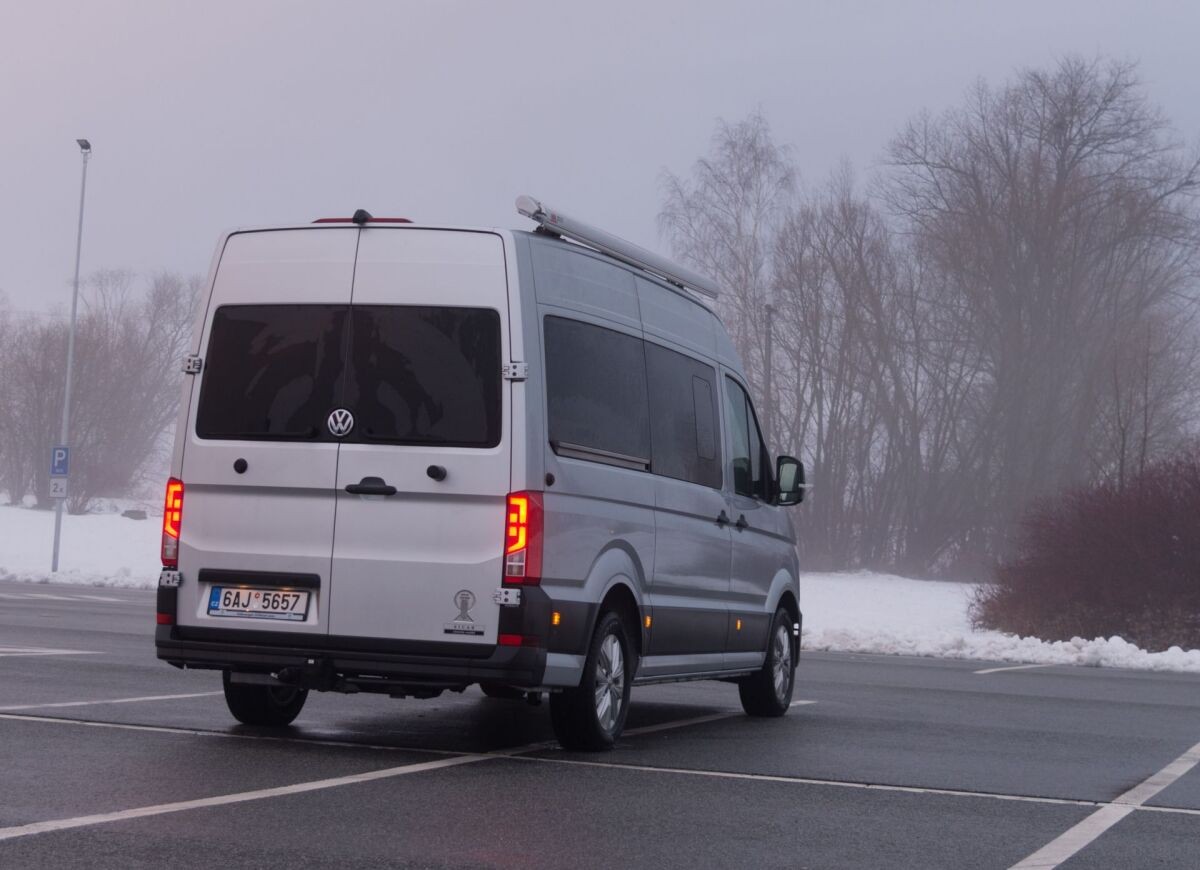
(523, 539)
(172, 522)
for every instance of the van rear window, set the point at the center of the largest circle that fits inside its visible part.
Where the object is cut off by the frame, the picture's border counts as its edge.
(272, 371)
(425, 375)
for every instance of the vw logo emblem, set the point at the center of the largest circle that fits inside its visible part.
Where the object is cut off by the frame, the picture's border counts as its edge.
(340, 423)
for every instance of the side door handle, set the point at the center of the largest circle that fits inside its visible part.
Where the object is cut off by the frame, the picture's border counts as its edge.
(722, 519)
(741, 523)
(371, 486)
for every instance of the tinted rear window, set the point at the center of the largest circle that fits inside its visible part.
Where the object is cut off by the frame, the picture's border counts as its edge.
(272, 371)
(425, 375)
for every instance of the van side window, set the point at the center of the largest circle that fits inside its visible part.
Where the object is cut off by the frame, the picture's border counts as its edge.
(749, 463)
(682, 418)
(596, 391)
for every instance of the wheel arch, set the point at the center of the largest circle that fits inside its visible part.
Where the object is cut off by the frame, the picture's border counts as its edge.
(617, 582)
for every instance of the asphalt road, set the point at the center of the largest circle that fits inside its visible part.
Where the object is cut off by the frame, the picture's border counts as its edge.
(109, 758)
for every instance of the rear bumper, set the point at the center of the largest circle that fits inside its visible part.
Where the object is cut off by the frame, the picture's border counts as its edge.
(332, 662)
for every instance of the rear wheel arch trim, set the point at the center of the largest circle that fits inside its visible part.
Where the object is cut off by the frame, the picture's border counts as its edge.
(620, 592)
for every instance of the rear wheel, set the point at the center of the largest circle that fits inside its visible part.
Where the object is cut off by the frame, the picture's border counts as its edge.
(592, 715)
(769, 691)
(271, 706)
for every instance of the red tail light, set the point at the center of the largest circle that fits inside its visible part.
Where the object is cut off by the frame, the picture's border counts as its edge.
(172, 521)
(523, 539)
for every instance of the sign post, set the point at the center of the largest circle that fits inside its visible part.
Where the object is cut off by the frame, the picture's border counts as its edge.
(60, 465)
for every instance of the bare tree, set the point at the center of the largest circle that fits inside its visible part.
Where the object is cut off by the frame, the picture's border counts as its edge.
(723, 219)
(128, 348)
(1009, 311)
(1062, 217)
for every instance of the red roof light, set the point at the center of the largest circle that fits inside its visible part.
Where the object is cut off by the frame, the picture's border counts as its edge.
(372, 220)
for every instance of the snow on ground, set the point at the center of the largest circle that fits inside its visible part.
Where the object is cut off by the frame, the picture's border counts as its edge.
(863, 612)
(880, 613)
(96, 550)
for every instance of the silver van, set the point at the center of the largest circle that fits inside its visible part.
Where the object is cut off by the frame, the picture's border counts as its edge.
(412, 458)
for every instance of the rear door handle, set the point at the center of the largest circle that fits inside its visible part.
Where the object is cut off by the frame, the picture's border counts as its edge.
(371, 486)
(741, 523)
(722, 519)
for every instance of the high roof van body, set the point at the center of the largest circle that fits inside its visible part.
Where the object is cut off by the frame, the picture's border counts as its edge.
(412, 458)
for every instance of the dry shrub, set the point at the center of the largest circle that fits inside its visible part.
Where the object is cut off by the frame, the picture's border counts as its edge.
(1104, 561)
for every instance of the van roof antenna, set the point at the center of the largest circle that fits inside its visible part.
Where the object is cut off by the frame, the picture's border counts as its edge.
(555, 222)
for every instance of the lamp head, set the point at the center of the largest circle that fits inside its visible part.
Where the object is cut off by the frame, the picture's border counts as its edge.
(84, 145)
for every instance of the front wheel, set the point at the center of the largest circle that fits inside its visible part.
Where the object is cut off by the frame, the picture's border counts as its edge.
(769, 691)
(270, 706)
(592, 715)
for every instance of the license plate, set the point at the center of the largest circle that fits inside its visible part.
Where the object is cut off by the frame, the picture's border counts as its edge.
(290, 605)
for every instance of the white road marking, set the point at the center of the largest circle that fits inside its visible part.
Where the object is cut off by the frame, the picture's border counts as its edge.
(45, 596)
(280, 791)
(1075, 839)
(226, 735)
(698, 720)
(42, 651)
(666, 726)
(15, 707)
(1012, 668)
(236, 798)
(835, 783)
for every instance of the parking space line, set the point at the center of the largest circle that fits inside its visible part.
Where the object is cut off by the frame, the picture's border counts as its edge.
(1011, 668)
(16, 831)
(7, 651)
(1072, 841)
(455, 759)
(14, 707)
(835, 783)
(698, 720)
(227, 735)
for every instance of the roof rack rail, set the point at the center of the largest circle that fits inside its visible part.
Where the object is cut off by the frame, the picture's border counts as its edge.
(559, 224)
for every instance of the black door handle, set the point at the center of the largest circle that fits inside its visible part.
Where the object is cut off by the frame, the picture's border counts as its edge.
(722, 519)
(741, 523)
(371, 486)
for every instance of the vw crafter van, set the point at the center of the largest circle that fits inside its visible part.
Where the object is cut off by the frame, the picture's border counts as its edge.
(413, 458)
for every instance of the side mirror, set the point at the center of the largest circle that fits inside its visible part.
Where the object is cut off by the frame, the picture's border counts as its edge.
(790, 474)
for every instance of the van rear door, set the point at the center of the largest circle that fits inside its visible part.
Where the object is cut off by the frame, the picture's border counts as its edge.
(422, 478)
(259, 464)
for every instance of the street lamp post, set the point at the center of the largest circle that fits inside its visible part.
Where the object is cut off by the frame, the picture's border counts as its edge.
(85, 149)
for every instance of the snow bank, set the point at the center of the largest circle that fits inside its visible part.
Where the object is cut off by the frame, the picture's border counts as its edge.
(863, 612)
(879, 613)
(96, 550)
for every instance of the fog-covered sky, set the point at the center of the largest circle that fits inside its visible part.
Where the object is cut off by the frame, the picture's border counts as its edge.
(211, 114)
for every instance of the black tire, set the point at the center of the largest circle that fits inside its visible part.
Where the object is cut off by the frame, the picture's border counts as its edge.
(501, 693)
(769, 691)
(582, 720)
(269, 706)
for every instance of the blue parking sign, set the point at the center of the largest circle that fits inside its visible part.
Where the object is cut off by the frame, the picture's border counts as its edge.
(59, 461)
